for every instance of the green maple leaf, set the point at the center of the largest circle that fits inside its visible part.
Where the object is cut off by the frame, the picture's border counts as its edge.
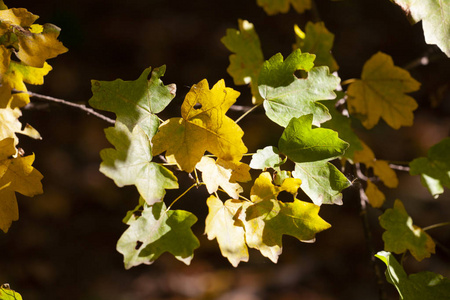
(130, 163)
(157, 231)
(434, 170)
(402, 235)
(286, 96)
(419, 286)
(301, 143)
(247, 60)
(273, 7)
(134, 102)
(321, 181)
(221, 225)
(342, 125)
(267, 221)
(268, 157)
(435, 17)
(317, 40)
(381, 93)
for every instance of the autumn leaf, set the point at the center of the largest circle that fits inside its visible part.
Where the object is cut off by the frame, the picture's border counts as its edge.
(214, 175)
(434, 170)
(301, 143)
(265, 223)
(273, 7)
(418, 286)
(263, 188)
(247, 60)
(17, 16)
(380, 167)
(321, 181)
(402, 235)
(268, 157)
(6, 293)
(240, 172)
(203, 127)
(375, 196)
(16, 175)
(15, 78)
(221, 225)
(130, 163)
(317, 40)
(10, 125)
(36, 48)
(381, 93)
(435, 17)
(134, 102)
(286, 96)
(156, 231)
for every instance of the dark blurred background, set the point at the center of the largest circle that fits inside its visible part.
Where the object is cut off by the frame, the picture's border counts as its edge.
(63, 246)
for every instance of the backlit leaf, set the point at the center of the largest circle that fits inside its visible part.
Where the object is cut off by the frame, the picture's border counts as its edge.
(435, 17)
(434, 170)
(240, 172)
(130, 163)
(273, 7)
(375, 196)
(321, 181)
(286, 96)
(317, 40)
(214, 175)
(402, 235)
(301, 143)
(266, 158)
(221, 225)
(6, 293)
(157, 231)
(10, 125)
(381, 93)
(134, 102)
(203, 127)
(263, 188)
(418, 286)
(17, 16)
(247, 60)
(16, 175)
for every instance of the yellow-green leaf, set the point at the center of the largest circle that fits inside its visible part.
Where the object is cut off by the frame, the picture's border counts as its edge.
(381, 93)
(264, 189)
(402, 235)
(273, 7)
(375, 196)
(203, 127)
(221, 225)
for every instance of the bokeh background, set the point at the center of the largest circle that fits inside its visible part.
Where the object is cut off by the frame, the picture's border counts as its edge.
(63, 246)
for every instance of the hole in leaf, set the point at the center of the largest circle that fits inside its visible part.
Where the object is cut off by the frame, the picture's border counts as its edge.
(197, 105)
(301, 74)
(138, 245)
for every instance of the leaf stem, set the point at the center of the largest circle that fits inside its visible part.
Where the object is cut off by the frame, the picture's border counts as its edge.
(348, 81)
(246, 113)
(62, 101)
(184, 193)
(436, 226)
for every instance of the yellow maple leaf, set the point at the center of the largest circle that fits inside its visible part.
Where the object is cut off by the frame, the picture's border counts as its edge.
(264, 189)
(15, 77)
(375, 196)
(5, 58)
(381, 93)
(380, 167)
(17, 16)
(16, 175)
(202, 127)
(10, 125)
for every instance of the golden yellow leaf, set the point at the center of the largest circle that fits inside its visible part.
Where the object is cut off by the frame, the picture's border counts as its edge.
(202, 127)
(264, 189)
(239, 171)
(18, 16)
(376, 197)
(10, 125)
(381, 92)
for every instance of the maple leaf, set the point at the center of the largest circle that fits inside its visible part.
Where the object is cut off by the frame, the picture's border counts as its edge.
(36, 48)
(319, 41)
(10, 125)
(301, 143)
(134, 102)
(435, 17)
(15, 77)
(418, 286)
(380, 93)
(18, 16)
(220, 224)
(273, 7)
(239, 171)
(16, 175)
(265, 223)
(434, 170)
(214, 175)
(263, 189)
(375, 196)
(321, 181)
(286, 96)
(268, 157)
(130, 163)
(247, 60)
(206, 128)
(401, 235)
(6, 293)
(156, 231)
(380, 167)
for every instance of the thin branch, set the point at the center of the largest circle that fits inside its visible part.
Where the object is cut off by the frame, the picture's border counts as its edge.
(399, 167)
(184, 193)
(62, 101)
(436, 226)
(246, 113)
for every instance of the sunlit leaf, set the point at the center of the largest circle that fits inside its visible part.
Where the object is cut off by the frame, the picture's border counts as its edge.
(6, 293)
(273, 7)
(268, 157)
(375, 196)
(10, 125)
